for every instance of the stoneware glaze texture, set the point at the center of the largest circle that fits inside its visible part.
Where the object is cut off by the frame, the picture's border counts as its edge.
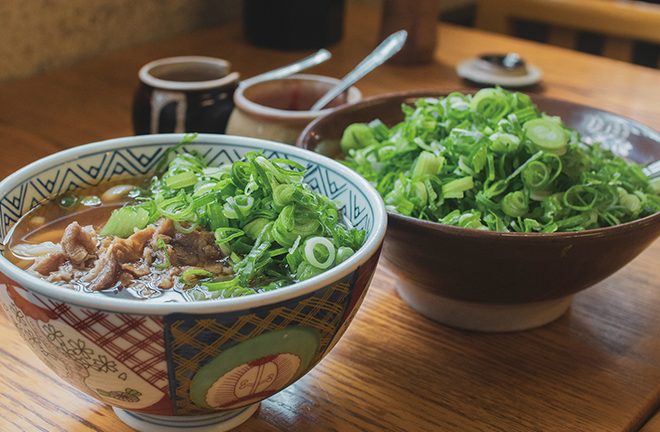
(278, 110)
(184, 359)
(486, 267)
(184, 94)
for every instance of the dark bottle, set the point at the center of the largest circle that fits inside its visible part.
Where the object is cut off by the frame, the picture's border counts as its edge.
(420, 19)
(293, 24)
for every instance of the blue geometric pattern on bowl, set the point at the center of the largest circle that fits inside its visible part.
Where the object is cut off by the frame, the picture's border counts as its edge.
(165, 363)
(93, 169)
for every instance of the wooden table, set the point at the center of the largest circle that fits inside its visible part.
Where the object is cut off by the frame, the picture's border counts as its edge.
(595, 369)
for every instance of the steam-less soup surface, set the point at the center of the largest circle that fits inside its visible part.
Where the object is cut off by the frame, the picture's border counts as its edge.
(192, 232)
(36, 241)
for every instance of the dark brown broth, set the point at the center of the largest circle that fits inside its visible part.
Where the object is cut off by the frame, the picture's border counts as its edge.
(29, 228)
(54, 227)
(58, 218)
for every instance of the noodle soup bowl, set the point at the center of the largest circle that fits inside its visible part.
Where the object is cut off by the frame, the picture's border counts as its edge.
(500, 281)
(179, 365)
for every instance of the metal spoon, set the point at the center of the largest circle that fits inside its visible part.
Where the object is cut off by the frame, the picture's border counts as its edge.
(390, 46)
(318, 57)
(652, 170)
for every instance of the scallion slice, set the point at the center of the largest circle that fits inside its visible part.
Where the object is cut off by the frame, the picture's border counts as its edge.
(319, 252)
(124, 221)
(547, 135)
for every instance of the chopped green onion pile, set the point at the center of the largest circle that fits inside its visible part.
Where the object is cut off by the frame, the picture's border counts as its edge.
(274, 229)
(493, 161)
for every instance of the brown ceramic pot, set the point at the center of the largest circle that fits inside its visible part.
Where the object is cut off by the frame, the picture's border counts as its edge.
(493, 281)
(184, 94)
(278, 110)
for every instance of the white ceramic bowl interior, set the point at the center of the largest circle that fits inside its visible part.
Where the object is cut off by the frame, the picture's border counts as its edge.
(95, 163)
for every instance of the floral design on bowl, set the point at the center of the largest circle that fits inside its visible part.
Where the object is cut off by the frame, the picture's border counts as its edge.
(177, 364)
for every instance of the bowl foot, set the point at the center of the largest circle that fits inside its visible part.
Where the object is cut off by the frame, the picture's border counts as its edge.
(483, 317)
(217, 422)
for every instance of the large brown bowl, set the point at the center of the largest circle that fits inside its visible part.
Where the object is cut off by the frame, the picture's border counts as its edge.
(492, 281)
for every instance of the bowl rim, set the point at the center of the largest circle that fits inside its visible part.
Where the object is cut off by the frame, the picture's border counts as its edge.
(145, 74)
(40, 286)
(471, 232)
(353, 96)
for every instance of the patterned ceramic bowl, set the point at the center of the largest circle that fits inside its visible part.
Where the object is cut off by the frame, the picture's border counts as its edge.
(185, 366)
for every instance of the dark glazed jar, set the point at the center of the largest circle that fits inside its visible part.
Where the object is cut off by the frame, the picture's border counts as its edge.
(184, 94)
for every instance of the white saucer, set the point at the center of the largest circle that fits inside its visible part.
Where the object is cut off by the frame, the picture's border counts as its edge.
(468, 71)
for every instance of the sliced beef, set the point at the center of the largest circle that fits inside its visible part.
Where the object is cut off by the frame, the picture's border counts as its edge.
(165, 228)
(106, 272)
(136, 262)
(166, 281)
(148, 256)
(194, 249)
(126, 279)
(108, 268)
(47, 264)
(131, 249)
(136, 269)
(79, 243)
(65, 273)
(218, 268)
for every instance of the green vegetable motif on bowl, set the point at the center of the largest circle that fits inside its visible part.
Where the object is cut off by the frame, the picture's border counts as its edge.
(493, 161)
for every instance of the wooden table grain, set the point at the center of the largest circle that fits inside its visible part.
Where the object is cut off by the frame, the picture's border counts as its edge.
(595, 369)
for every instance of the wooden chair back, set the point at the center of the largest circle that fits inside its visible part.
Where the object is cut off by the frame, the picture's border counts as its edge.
(621, 22)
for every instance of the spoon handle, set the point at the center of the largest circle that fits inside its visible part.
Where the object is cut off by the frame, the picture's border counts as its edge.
(652, 170)
(390, 46)
(318, 57)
